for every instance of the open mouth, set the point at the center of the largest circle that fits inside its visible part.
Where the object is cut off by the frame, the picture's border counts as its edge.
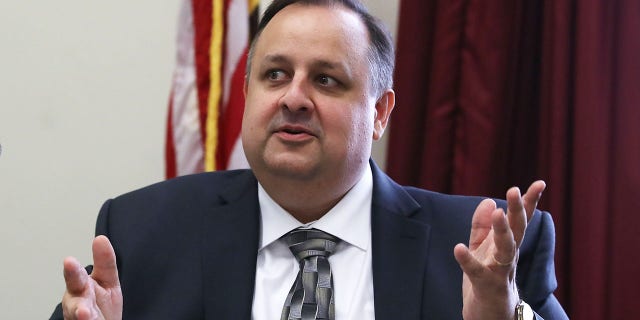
(294, 134)
(295, 130)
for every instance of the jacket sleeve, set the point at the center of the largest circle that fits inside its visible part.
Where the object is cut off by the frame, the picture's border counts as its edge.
(536, 270)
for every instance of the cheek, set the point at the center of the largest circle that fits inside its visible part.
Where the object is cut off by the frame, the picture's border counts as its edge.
(363, 121)
(256, 114)
(356, 128)
(363, 130)
(252, 121)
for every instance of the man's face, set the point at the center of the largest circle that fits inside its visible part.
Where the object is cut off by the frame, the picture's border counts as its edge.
(309, 109)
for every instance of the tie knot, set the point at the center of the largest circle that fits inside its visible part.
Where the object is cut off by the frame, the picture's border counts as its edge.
(305, 243)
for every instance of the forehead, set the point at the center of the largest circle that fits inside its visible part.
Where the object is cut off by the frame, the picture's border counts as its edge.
(314, 31)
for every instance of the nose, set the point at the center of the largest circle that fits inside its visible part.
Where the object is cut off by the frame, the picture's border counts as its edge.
(297, 97)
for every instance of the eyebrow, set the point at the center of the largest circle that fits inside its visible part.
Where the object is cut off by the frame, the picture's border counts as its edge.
(324, 64)
(275, 58)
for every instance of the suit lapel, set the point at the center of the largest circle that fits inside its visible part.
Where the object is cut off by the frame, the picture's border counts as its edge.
(400, 246)
(229, 256)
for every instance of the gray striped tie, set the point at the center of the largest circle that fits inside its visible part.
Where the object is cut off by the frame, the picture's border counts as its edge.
(311, 296)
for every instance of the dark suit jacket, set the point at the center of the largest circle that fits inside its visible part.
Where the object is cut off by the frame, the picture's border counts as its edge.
(186, 249)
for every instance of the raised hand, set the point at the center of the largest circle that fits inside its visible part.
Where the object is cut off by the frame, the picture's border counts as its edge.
(489, 264)
(95, 296)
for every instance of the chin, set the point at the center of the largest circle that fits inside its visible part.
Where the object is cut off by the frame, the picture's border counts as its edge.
(292, 167)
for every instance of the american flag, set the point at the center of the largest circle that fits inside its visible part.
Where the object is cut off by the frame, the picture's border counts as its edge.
(207, 102)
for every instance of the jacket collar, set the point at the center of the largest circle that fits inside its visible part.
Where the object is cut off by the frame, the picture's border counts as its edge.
(400, 248)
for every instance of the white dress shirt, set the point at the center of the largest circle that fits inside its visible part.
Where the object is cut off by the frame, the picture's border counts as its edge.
(349, 220)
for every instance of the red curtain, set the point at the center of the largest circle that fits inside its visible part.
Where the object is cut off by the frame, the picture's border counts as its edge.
(496, 93)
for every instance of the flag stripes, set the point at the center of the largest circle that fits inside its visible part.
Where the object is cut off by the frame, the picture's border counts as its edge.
(207, 100)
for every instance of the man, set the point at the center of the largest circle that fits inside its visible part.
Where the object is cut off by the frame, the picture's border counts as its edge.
(215, 245)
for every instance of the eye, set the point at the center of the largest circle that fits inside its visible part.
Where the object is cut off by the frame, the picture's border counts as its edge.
(327, 81)
(275, 75)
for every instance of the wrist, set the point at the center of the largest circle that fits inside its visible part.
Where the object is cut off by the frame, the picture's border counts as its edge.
(524, 311)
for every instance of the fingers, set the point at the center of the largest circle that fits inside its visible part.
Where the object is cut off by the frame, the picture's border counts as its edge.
(75, 276)
(79, 308)
(491, 242)
(105, 271)
(508, 230)
(90, 296)
(83, 313)
(516, 214)
(489, 263)
(74, 301)
(481, 223)
(468, 263)
(533, 195)
(504, 241)
(520, 208)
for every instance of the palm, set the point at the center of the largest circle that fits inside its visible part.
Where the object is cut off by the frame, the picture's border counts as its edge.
(489, 264)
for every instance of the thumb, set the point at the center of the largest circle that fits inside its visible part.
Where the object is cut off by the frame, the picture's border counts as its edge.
(468, 263)
(105, 270)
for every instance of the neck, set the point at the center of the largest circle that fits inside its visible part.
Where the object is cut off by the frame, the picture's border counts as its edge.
(304, 202)
(308, 200)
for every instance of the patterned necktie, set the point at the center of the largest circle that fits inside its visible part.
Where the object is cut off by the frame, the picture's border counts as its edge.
(311, 296)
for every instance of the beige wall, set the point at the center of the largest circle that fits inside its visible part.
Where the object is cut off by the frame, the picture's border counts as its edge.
(83, 92)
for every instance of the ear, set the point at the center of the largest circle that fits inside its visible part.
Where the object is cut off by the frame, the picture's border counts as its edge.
(384, 106)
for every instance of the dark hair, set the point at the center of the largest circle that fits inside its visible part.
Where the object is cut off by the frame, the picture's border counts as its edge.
(381, 51)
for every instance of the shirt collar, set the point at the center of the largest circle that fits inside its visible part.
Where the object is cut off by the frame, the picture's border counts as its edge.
(349, 219)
